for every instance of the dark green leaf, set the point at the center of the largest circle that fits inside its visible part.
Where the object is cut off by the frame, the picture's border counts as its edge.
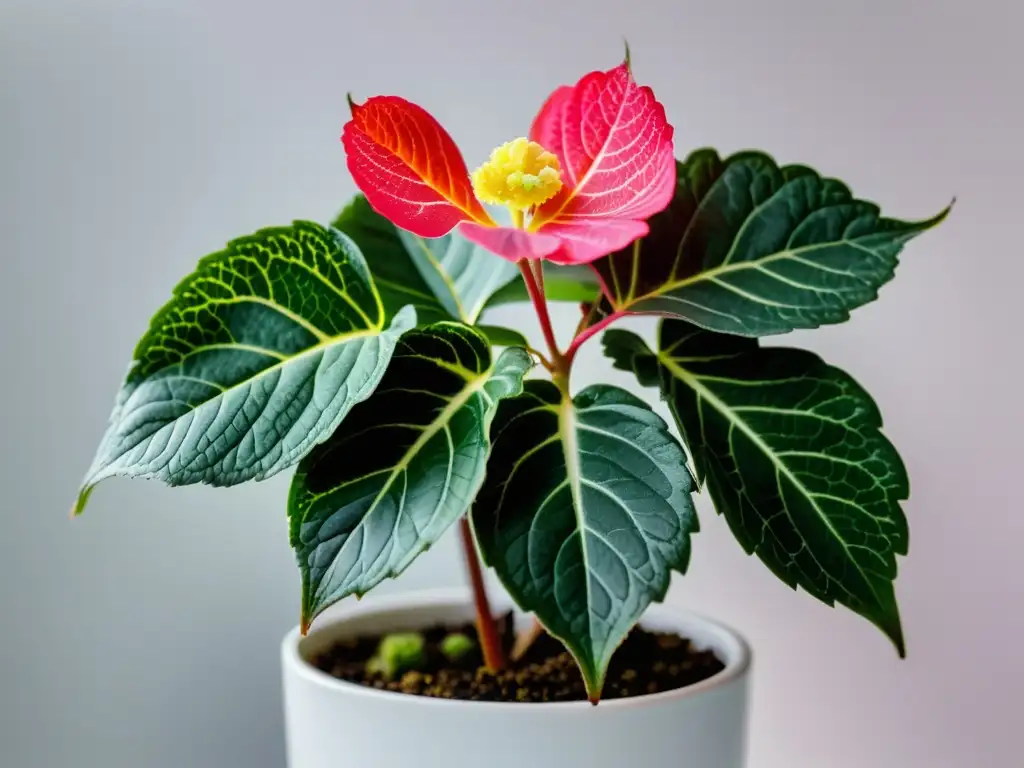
(500, 336)
(629, 353)
(749, 248)
(403, 466)
(396, 277)
(584, 513)
(257, 357)
(795, 460)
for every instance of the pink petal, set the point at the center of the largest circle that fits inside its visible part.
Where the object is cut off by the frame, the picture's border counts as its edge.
(615, 146)
(511, 243)
(585, 241)
(408, 167)
(560, 243)
(547, 128)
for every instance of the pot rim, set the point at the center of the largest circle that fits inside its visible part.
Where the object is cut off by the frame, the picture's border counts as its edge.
(724, 640)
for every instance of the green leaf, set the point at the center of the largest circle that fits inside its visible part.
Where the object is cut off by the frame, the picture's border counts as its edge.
(461, 274)
(499, 336)
(584, 513)
(749, 248)
(396, 277)
(257, 357)
(444, 278)
(403, 466)
(628, 352)
(795, 460)
(573, 283)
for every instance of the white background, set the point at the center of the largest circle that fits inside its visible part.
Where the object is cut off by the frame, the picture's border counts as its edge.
(136, 138)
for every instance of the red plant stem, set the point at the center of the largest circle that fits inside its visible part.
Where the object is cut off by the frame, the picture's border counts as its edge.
(487, 630)
(586, 333)
(559, 364)
(538, 273)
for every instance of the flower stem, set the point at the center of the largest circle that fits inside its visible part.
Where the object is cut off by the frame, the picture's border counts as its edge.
(534, 279)
(487, 630)
(538, 275)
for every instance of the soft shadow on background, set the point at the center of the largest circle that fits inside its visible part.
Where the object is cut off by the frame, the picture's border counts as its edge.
(135, 138)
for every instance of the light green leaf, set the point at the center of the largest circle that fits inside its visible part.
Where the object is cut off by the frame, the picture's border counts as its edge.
(461, 274)
(578, 284)
(257, 357)
(749, 248)
(584, 513)
(443, 278)
(403, 466)
(794, 459)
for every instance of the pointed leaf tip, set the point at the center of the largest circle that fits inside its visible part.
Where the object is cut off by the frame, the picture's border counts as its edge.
(351, 104)
(540, 430)
(795, 475)
(748, 299)
(83, 498)
(445, 431)
(628, 60)
(340, 318)
(893, 629)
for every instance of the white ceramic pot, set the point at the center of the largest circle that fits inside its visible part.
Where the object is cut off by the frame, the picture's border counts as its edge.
(333, 724)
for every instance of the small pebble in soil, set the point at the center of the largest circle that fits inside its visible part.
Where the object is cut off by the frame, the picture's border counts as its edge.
(646, 662)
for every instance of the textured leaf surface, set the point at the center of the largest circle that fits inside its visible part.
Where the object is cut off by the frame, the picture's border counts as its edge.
(585, 511)
(794, 458)
(749, 248)
(408, 167)
(403, 466)
(258, 356)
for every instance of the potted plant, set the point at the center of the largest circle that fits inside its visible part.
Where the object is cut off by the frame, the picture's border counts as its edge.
(355, 354)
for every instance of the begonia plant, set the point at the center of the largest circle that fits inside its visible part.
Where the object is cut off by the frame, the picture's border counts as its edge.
(355, 354)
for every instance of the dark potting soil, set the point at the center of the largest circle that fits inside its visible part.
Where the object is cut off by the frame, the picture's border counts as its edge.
(646, 662)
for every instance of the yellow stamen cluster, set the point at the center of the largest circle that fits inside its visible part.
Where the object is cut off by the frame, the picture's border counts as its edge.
(519, 174)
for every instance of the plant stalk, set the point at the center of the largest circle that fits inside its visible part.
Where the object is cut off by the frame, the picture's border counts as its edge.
(534, 280)
(486, 628)
(586, 333)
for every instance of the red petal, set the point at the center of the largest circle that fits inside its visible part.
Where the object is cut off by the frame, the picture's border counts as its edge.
(511, 243)
(409, 168)
(615, 146)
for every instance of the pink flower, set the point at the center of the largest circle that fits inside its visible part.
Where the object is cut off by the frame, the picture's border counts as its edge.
(597, 164)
